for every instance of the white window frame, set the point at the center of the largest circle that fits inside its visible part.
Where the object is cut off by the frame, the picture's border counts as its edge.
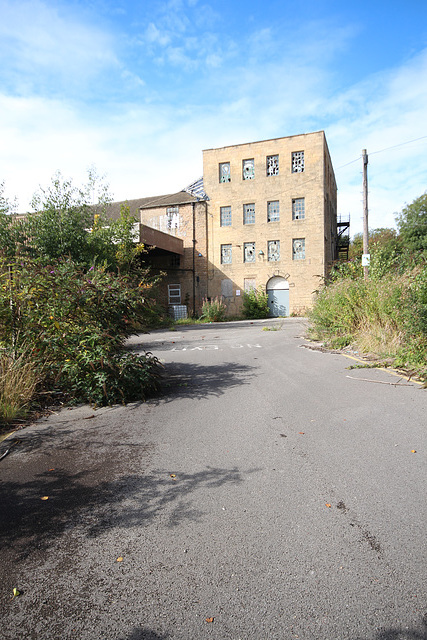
(225, 216)
(174, 293)
(298, 209)
(226, 254)
(273, 211)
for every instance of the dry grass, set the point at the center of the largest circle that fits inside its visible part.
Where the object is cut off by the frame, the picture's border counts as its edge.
(18, 381)
(382, 338)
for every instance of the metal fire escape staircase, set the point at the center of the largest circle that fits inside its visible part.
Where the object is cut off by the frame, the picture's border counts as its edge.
(343, 237)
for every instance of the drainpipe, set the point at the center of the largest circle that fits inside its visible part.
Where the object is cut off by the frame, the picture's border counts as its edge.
(194, 259)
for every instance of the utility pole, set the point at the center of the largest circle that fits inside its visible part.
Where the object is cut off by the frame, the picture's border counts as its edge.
(365, 257)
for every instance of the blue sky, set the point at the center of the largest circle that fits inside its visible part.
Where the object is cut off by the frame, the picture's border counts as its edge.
(138, 89)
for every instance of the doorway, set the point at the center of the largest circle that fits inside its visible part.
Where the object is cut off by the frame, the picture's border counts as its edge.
(278, 296)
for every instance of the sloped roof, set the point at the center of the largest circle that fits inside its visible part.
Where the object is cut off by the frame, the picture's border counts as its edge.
(181, 197)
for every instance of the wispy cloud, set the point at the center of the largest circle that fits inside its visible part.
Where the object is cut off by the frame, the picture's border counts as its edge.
(43, 46)
(178, 82)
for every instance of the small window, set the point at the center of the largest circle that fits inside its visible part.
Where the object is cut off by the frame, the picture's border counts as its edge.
(174, 293)
(249, 252)
(273, 250)
(273, 211)
(225, 217)
(248, 169)
(172, 217)
(272, 165)
(224, 172)
(298, 249)
(175, 260)
(250, 284)
(298, 209)
(249, 214)
(297, 161)
(226, 254)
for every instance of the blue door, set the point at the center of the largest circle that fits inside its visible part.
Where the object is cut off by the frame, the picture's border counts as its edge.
(278, 301)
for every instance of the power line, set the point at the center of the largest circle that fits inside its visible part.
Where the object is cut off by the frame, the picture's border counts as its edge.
(371, 153)
(398, 145)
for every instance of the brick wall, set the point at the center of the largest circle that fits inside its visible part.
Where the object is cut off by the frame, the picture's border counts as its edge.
(316, 184)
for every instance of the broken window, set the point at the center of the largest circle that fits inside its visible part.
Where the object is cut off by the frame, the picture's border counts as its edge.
(272, 165)
(249, 214)
(273, 250)
(298, 249)
(249, 252)
(248, 169)
(273, 211)
(224, 172)
(226, 254)
(297, 161)
(172, 217)
(225, 216)
(298, 209)
(174, 293)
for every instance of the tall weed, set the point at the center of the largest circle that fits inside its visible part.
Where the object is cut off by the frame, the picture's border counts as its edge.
(18, 382)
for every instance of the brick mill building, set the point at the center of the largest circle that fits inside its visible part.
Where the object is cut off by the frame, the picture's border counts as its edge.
(263, 215)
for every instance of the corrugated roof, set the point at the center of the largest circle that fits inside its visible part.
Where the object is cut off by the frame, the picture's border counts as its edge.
(196, 189)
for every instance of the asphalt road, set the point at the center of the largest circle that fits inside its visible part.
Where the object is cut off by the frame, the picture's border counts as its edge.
(269, 493)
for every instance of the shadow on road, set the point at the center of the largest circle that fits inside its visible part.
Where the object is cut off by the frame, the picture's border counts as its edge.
(403, 633)
(199, 381)
(145, 634)
(30, 522)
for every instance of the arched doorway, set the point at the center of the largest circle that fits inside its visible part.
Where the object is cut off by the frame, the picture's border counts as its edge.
(278, 296)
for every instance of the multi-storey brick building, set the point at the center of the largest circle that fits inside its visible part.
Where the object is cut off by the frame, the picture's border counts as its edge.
(263, 216)
(272, 222)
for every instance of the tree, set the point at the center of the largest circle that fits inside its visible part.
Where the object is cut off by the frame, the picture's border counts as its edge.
(63, 216)
(11, 232)
(71, 222)
(412, 225)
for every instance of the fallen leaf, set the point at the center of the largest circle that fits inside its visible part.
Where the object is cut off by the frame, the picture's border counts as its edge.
(120, 559)
(15, 592)
(172, 475)
(328, 505)
(45, 498)
(413, 451)
(209, 619)
(51, 469)
(301, 433)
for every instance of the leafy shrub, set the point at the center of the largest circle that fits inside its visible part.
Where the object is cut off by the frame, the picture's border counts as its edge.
(213, 310)
(255, 304)
(76, 323)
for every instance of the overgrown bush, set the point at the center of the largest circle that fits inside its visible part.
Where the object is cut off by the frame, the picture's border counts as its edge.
(213, 310)
(386, 316)
(255, 304)
(72, 289)
(76, 323)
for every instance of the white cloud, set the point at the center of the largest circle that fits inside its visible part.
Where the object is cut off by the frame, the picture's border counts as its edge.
(39, 42)
(385, 111)
(259, 88)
